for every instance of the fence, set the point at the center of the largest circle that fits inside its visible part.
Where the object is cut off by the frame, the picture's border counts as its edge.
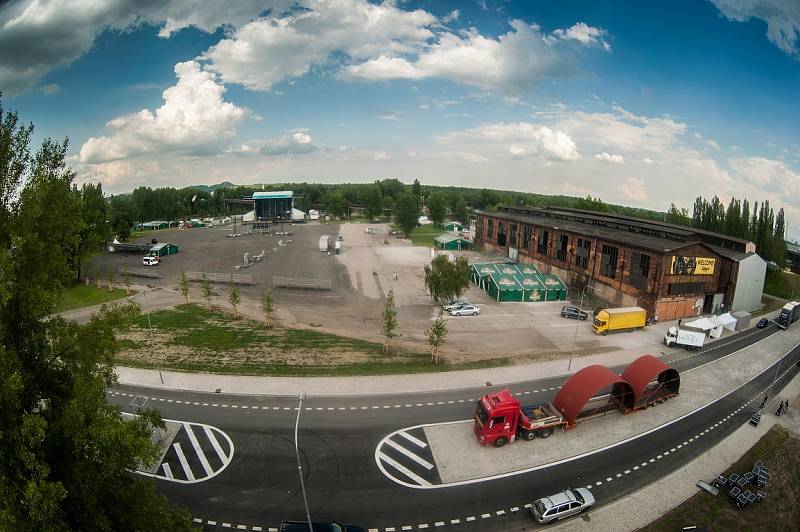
(300, 282)
(140, 272)
(220, 277)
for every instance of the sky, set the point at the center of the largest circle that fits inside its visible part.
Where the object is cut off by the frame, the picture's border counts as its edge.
(637, 103)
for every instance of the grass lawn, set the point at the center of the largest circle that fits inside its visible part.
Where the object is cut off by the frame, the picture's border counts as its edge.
(192, 338)
(785, 285)
(80, 296)
(780, 451)
(423, 236)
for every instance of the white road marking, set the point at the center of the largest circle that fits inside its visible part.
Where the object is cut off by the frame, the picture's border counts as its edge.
(167, 470)
(403, 469)
(182, 458)
(215, 444)
(412, 439)
(198, 450)
(421, 461)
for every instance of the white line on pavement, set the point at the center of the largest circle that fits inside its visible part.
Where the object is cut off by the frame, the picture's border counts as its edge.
(412, 439)
(421, 461)
(198, 450)
(403, 469)
(167, 470)
(184, 463)
(215, 444)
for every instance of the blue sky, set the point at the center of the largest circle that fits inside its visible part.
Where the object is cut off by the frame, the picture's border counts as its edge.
(639, 103)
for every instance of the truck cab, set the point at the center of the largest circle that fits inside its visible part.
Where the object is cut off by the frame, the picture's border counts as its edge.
(600, 323)
(497, 418)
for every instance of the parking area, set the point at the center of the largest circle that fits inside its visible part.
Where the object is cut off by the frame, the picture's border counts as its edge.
(372, 262)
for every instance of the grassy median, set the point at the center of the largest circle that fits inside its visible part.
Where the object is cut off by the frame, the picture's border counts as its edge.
(779, 449)
(80, 296)
(192, 338)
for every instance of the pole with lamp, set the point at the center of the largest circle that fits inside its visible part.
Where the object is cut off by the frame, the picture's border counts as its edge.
(577, 322)
(301, 396)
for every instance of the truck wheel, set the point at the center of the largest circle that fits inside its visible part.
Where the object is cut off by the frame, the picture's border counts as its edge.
(499, 442)
(545, 433)
(528, 434)
(605, 333)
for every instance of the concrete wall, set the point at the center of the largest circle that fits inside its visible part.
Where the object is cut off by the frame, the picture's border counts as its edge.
(749, 283)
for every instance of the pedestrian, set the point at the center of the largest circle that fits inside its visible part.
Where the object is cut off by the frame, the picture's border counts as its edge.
(764, 402)
(780, 409)
(786, 406)
(395, 276)
(679, 323)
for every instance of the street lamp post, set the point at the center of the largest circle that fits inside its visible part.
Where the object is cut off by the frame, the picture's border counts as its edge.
(301, 396)
(577, 322)
(150, 327)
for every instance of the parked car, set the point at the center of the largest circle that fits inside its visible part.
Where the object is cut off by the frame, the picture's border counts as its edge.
(573, 313)
(466, 310)
(763, 322)
(329, 526)
(563, 504)
(458, 303)
(150, 260)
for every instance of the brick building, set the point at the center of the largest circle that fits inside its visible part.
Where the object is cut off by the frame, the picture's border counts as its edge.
(670, 270)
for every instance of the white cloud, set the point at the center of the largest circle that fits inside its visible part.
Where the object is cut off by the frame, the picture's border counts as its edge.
(276, 48)
(613, 158)
(381, 156)
(298, 142)
(648, 160)
(450, 17)
(390, 115)
(782, 18)
(520, 139)
(584, 34)
(53, 34)
(769, 174)
(713, 144)
(194, 119)
(49, 89)
(633, 189)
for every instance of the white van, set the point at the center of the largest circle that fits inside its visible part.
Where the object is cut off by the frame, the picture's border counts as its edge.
(150, 260)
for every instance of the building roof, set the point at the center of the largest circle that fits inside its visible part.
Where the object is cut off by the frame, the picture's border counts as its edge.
(584, 385)
(161, 245)
(278, 194)
(646, 369)
(447, 237)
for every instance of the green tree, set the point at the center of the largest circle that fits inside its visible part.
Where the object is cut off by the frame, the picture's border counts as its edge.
(65, 453)
(389, 321)
(416, 188)
(335, 204)
(677, 215)
(95, 231)
(110, 279)
(437, 207)
(459, 208)
(233, 299)
(268, 307)
(206, 287)
(436, 335)
(126, 280)
(183, 284)
(373, 202)
(406, 212)
(446, 280)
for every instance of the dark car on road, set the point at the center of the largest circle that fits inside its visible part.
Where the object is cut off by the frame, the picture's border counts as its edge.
(329, 526)
(573, 313)
(763, 322)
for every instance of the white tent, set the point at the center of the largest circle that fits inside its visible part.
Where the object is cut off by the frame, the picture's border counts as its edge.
(725, 320)
(703, 324)
(298, 215)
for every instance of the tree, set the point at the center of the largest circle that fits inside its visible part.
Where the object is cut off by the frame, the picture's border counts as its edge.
(94, 229)
(126, 279)
(406, 212)
(110, 279)
(389, 321)
(373, 202)
(233, 299)
(446, 280)
(97, 278)
(206, 287)
(335, 204)
(436, 335)
(267, 306)
(88, 272)
(437, 207)
(459, 208)
(66, 454)
(678, 216)
(416, 188)
(183, 284)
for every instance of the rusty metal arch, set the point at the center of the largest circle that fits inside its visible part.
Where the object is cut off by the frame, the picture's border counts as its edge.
(646, 369)
(585, 384)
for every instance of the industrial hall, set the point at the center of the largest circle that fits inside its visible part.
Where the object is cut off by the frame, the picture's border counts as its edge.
(671, 271)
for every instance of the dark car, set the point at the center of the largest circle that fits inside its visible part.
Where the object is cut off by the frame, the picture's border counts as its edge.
(763, 322)
(573, 313)
(328, 526)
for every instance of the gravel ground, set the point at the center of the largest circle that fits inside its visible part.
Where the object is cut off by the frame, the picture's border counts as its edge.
(459, 456)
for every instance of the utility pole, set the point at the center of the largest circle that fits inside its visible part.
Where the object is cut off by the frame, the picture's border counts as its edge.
(301, 396)
(577, 322)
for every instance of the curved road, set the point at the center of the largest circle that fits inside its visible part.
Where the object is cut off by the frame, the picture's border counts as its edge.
(339, 435)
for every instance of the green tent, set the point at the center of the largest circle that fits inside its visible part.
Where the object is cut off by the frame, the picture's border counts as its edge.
(533, 289)
(479, 271)
(556, 290)
(452, 242)
(527, 269)
(508, 268)
(504, 287)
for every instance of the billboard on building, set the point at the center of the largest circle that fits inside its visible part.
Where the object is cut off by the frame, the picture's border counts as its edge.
(682, 265)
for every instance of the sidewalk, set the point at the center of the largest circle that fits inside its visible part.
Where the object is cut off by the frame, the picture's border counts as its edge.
(648, 504)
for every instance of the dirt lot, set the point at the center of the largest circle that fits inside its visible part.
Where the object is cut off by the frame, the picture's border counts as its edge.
(363, 272)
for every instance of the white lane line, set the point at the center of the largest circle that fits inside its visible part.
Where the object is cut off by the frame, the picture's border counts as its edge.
(184, 463)
(412, 439)
(455, 521)
(167, 470)
(485, 516)
(198, 450)
(438, 523)
(215, 444)
(403, 469)
(421, 461)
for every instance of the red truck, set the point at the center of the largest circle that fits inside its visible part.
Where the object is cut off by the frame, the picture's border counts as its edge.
(500, 418)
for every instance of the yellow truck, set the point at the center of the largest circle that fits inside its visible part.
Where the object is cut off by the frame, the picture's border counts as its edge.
(617, 319)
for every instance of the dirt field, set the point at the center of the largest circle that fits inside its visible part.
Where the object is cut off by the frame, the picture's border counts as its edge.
(360, 275)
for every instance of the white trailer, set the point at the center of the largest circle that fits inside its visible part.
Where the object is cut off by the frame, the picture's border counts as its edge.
(323, 242)
(686, 338)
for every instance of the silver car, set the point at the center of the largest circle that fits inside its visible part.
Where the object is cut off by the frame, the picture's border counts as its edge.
(466, 310)
(563, 504)
(458, 303)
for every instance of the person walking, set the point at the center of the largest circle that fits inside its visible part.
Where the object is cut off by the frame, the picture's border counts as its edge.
(785, 406)
(764, 402)
(780, 409)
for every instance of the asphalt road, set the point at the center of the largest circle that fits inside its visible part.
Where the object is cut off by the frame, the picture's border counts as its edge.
(338, 437)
